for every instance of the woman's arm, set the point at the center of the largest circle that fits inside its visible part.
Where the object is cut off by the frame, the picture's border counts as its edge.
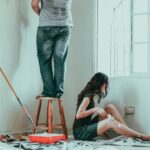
(82, 112)
(35, 6)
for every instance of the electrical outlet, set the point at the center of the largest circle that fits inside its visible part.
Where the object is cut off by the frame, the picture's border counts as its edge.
(129, 110)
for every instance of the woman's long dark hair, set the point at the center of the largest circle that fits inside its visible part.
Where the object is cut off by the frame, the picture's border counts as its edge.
(93, 86)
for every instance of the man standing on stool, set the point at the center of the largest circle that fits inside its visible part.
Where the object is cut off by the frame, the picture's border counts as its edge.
(55, 22)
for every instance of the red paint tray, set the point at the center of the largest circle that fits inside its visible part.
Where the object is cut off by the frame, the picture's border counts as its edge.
(46, 138)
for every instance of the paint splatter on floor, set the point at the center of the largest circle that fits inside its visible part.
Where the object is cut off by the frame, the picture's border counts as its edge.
(100, 144)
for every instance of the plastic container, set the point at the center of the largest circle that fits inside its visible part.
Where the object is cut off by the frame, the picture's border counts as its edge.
(46, 138)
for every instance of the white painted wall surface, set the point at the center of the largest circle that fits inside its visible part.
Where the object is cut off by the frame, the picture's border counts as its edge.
(131, 91)
(18, 59)
(123, 91)
(80, 58)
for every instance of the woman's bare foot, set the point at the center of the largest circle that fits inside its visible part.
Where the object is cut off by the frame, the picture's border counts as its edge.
(145, 137)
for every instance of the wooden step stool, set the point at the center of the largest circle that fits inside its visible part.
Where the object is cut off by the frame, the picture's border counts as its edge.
(49, 125)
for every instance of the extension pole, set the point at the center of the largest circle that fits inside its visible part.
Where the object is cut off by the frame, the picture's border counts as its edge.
(22, 106)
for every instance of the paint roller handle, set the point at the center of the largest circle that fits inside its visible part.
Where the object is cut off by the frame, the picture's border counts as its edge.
(25, 110)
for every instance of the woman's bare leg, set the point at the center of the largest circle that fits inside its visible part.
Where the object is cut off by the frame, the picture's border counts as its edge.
(120, 128)
(112, 110)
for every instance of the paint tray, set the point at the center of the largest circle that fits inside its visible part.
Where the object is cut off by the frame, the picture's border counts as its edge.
(47, 138)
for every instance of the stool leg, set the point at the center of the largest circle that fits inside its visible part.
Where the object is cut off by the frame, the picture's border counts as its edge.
(62, 116)
(50, 116)
(37, 114)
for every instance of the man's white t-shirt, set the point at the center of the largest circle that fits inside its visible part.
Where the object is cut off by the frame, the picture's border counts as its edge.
(55, 13)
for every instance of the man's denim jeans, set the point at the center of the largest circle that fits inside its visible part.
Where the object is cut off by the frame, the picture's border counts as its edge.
(52, 42)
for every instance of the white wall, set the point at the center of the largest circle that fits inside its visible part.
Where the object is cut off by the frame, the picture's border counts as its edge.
(114, 38)
(18, 60)
(123, 91)
(132, 91)
(80, 58)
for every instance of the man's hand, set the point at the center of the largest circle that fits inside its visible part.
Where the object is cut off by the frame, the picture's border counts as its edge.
(35, 6)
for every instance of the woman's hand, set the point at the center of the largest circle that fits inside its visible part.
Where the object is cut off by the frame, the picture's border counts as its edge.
(100, 111)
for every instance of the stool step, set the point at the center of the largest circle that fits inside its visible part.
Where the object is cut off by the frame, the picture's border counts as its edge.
(43, 124)
(42, 127)
(57, 126)
(47, 98)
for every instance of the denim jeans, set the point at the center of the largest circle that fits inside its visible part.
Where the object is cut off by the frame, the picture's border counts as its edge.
(52, 42)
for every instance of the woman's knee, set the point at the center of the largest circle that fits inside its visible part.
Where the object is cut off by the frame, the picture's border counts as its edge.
(106, 124)
(109, 123)
(110, 108)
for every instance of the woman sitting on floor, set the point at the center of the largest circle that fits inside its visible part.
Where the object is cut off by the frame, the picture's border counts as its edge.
(86, 128)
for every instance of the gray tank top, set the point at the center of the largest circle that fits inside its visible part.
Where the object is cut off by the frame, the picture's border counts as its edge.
(55, 13)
